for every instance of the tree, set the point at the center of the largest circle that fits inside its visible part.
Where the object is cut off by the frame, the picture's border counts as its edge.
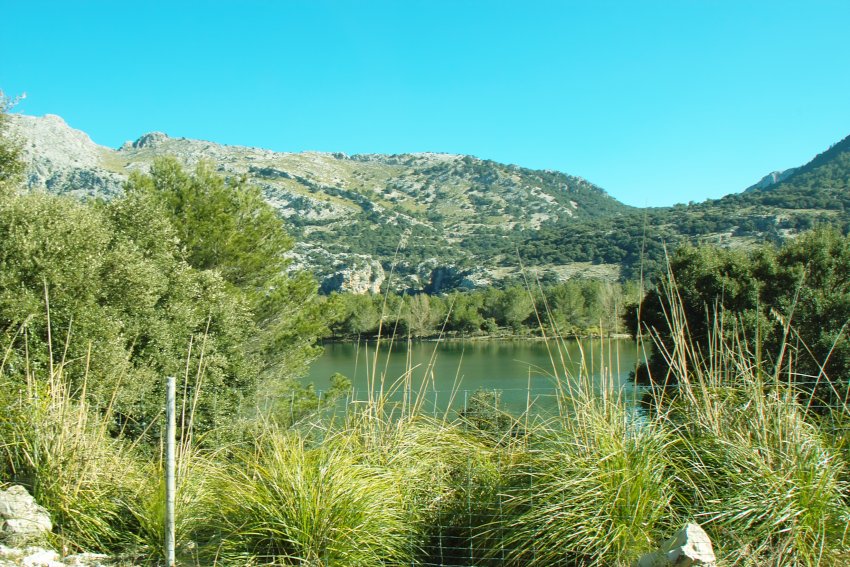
(124, 308)
(226, 226)
(704, 281)
(11, 165)
(805, 284)
(567, 310)
(355, 314)
(516, 307)
(130, 301)
(465, 315)
(418, 314)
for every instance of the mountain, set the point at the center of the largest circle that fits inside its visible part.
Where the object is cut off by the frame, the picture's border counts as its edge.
(771, 179)
(441, 221)
(452, 218)
(815, 193)
(821, 183)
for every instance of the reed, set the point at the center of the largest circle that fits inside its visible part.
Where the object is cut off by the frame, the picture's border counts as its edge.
(54, 444)
(734, 446)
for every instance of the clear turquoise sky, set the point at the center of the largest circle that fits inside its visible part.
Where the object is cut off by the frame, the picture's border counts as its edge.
(657, 102)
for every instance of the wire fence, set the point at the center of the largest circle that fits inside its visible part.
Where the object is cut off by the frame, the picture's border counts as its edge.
(477, 526)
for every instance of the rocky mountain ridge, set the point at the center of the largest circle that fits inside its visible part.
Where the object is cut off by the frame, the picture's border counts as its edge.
(431, 221)
(771, 179)
(430, 217)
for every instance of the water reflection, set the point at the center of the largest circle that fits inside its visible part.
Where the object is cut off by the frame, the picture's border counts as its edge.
(525, 372)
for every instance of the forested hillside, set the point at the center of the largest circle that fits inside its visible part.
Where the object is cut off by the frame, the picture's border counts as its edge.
(816, 193)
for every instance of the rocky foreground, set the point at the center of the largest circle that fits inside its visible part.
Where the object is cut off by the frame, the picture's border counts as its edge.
(24, 522)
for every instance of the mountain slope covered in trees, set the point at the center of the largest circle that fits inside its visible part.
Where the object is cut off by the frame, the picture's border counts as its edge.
(451, 216)
(813, 194)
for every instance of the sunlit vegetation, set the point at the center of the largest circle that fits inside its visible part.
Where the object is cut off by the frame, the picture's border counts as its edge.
(183, 272)
(578, 307)
(183, 275)
(733, 447)
(791, 302)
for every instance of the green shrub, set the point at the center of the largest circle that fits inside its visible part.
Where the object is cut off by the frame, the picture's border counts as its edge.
(596, 488)
(294, 504)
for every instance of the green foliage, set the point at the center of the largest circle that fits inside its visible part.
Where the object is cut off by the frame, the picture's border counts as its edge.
(770, 488)
(482, 413)
(573, 307)
(11, 165)
(515, 307)
(125, 306)
(795, 298)
(355, 314)
(606, 478)
(62, 452)
(756, 468)
(817, 193)
(598, 484)
(421, 318)
(290, 402)
(465, 312)
(226, 227)
(224, 224)
(120, 309)
(296, 504)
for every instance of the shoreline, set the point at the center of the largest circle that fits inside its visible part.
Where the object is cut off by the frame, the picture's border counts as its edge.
(471, 338)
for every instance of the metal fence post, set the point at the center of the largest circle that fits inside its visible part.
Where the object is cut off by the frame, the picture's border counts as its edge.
(170, 466)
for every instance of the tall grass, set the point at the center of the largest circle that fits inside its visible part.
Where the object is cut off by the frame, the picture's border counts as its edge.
(732, 447)
(54, 444)
(595, 488)
(287, 502)
(763, 473)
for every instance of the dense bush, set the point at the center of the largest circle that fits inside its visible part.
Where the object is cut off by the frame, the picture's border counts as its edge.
(791, 305)
(183, 275)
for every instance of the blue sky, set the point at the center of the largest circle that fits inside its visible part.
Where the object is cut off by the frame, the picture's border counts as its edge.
(657, 102)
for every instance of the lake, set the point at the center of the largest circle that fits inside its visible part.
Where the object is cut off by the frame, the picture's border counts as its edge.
(522, 371)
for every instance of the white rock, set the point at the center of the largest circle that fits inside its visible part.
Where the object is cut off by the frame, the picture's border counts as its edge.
(358, 274)
(21, 517)
(42, 558)
(87, 560)
(9, 553)
(690, 547)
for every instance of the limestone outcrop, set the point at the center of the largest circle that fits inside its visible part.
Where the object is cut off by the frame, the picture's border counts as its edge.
(40, 557)
(22, 519)
(689, 547)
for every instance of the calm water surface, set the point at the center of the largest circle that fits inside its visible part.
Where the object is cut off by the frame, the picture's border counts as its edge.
(520, 370)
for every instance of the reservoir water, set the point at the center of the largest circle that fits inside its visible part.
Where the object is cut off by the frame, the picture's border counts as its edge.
(449, 372)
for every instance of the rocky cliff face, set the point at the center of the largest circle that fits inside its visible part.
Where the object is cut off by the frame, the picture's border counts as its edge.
(771, 179)
(426, 214)
(64, 160)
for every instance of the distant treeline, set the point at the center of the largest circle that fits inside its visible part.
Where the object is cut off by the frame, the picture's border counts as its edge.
(639, 241)
(577, 307)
